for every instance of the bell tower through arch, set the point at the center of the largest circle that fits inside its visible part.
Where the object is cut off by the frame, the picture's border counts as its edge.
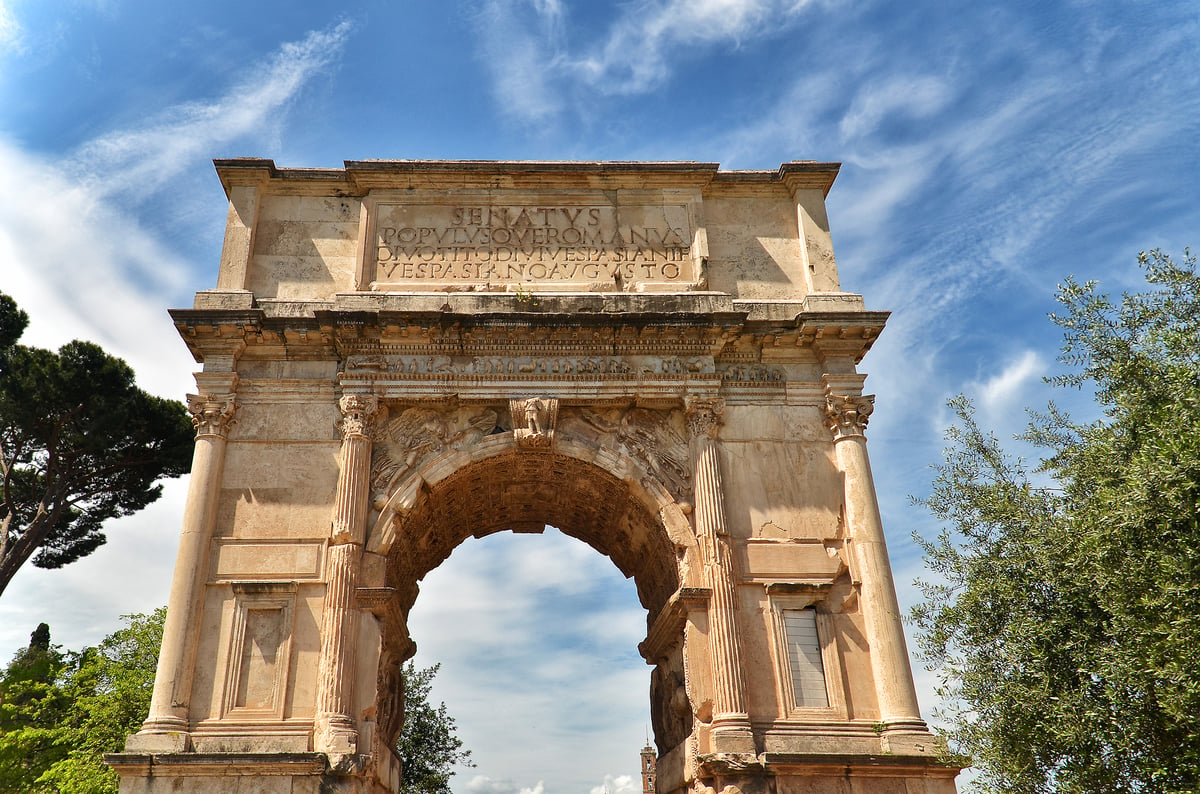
(656, 358)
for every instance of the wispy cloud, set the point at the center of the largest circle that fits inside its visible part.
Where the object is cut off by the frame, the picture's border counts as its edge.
(913, 97)
(482, 784)
(522, 50)
(67, 257)
(536, 68)
(143, 159)
(10, 30)
(636, 55)
(75, 256)
(1002, 389)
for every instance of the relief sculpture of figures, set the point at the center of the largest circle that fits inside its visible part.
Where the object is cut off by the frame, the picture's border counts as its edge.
(648, 436)
(533, 407)
(418, 433)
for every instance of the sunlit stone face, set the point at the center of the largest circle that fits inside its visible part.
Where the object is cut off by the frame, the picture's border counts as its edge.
(655, 358)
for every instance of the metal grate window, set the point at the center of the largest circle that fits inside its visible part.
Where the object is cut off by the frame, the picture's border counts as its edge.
(804, 658)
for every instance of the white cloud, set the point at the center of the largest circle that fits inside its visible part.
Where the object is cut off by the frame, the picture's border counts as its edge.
(69, 258)
(522, 55)
(10, 29)
(641, 44)
(1001, 389)
(141, 160)
(83, 265)
(482, 784)
(911, 96)
(534, 67)
(619, 784)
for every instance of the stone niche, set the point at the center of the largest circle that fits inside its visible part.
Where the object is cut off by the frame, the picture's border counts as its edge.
(656, 358)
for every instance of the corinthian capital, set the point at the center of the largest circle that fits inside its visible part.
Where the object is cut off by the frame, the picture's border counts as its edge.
(846, 415)
(212, 414)
(358, 415)
(704, 415)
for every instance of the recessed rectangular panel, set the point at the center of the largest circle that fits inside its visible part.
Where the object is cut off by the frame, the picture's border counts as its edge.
(296, 560)
(257, 686)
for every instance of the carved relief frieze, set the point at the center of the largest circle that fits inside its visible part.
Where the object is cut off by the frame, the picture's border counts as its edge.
(753, 373)
(522, 365)
(415, 434)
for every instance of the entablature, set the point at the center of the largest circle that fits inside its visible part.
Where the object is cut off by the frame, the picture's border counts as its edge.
(739, 334)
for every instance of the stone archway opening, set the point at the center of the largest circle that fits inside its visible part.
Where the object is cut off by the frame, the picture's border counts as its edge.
(524, 491)
(536, 636)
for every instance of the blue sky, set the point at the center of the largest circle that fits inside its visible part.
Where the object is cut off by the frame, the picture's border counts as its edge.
(989, 149)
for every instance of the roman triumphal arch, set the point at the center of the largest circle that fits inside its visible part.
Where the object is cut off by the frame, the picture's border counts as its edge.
(656, 358)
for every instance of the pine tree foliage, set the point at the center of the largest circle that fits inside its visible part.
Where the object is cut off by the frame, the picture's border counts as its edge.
(79, 444)
(1063, 612)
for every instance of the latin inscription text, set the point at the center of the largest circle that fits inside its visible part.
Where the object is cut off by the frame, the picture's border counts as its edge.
(480, 244)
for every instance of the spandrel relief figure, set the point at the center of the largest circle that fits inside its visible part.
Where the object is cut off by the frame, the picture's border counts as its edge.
(478, 425)
(648, 436)
(419, 433)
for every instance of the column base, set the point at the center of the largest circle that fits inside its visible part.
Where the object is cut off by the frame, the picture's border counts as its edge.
(164, 735)
(335, 736)
(731, 734)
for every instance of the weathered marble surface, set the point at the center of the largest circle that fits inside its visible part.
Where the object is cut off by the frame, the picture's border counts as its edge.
(656, 358)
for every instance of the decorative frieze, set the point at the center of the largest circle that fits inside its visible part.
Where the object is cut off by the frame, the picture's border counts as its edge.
(753, 373)
(530, 365)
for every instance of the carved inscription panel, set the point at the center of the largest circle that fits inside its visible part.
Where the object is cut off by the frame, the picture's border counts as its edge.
(590, 242)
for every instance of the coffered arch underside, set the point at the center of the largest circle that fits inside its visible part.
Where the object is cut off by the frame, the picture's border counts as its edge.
(600, 495)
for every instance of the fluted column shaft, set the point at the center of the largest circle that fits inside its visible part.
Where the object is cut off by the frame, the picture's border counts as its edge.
(336, 730)
(846, 417)
(165, 728)
(731, 722)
